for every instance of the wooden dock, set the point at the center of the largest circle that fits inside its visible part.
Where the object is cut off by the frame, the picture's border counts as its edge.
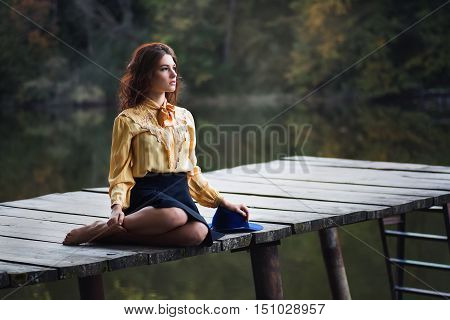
(290, 196)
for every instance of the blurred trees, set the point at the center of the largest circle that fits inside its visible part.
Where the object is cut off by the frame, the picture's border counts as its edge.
(227, 47)
(331, 35)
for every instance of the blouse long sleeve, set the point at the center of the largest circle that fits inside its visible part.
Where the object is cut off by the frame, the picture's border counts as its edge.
(120, 175)
(199, 188)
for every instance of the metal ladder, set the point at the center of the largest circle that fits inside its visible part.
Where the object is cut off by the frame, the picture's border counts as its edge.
(395, 265)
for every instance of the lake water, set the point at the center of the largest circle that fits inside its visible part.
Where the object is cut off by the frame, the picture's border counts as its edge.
(68, 149)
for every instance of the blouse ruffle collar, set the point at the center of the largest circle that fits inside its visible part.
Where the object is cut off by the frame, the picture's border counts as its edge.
(145, 116)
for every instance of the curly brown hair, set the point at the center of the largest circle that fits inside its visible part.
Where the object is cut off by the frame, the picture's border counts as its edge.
(136, 81)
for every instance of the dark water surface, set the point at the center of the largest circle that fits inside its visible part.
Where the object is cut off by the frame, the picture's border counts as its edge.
(66, 150)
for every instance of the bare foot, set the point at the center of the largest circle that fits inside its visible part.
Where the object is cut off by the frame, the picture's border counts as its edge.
(86, 233)
(116, 234)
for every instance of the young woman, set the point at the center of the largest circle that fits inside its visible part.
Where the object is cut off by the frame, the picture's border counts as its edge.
(153, 169)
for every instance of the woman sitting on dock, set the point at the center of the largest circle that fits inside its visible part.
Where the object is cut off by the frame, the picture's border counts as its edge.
(153, 168)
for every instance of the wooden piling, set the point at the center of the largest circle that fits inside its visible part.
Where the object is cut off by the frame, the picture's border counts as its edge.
(446, 211)
(266, 271)
(91, 288)
(334, 263)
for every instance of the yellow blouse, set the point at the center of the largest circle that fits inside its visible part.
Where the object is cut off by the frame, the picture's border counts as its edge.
(140, 144)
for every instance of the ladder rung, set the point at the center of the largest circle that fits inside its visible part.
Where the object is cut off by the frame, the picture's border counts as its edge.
(420, 264)
(415, 235)
(423, 291)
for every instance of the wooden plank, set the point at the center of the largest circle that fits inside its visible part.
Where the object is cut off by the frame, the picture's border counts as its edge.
(51, 231)
(34, 229)
(355, 197)
(379, 165)
(320, 167)
(23, 274)
(439, 196)
(252, 201)
(74, 261)
(296, 167)
(296, 173)
(270, 233)
(77, 203)
(356, 212)
(300, 222)
(156, 254)
(48, 216)
(54, 232)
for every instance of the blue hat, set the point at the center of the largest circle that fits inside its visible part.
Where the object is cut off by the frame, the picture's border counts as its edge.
(225, 220)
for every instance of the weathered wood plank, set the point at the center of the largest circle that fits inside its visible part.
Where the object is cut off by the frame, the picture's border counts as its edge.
(355, 197)
(357, 212)
(295, 172)
(75, 203)
(270, 233)
(34, 229)
(367, 164)
(251, 201)
(331, 209)
(309, 205)
(301, 168)
(18, 275)
(48, 216)
(54, 232)
(321, 167)
(301, 222)
(438, 195)
(70, 261)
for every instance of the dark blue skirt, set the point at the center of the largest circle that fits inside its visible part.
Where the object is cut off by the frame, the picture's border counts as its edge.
(166, 190)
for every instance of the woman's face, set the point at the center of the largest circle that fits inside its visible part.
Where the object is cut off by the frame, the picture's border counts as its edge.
(165, 76)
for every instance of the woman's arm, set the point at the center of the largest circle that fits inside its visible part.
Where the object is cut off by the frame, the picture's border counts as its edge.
(120, 176)
(201, 190)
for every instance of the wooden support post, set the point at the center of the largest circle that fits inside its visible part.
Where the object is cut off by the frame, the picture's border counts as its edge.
(400, 271)
(446, 208)
(334, 263)
(266, 271)
(390, 272)
(91, 288)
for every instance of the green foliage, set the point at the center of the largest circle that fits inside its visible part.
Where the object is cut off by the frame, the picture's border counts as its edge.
(224, 47)
(334, 34)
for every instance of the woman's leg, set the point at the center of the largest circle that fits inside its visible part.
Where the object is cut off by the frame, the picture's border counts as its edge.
(147, 221)
(88, 233)
(153, 221)
(190, 234)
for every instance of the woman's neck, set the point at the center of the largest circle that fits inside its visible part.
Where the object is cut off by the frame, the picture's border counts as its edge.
(158, 97)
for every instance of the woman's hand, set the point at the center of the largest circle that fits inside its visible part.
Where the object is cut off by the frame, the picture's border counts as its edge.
(117, 216)
(239, 208)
